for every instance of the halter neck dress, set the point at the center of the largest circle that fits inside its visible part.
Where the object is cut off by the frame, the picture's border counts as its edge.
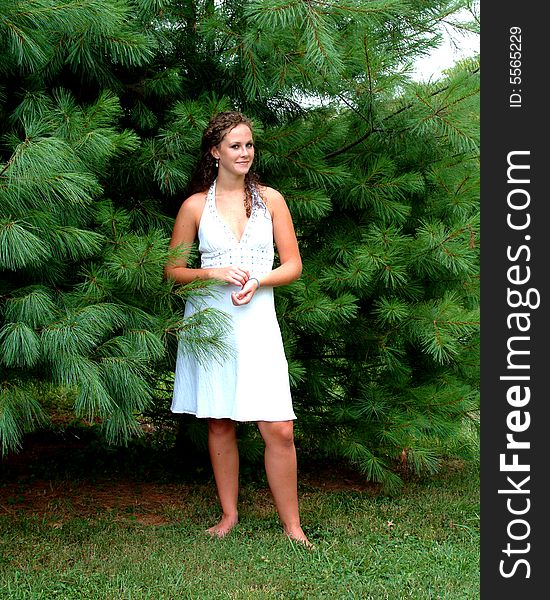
(251, 384)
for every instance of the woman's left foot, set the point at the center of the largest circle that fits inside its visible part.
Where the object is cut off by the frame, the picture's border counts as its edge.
(297, 535)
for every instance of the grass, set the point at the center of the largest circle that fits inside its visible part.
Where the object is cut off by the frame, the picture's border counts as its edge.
(87, 540)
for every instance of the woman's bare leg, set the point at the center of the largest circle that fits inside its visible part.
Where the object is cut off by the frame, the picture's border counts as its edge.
(281, 470)
(224, 455)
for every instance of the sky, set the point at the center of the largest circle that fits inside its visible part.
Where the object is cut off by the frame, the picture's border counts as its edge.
(446, 55)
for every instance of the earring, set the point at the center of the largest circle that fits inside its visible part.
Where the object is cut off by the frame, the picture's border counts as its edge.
(217, 163)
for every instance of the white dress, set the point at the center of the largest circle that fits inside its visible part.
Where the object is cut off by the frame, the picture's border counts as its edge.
(252, 384)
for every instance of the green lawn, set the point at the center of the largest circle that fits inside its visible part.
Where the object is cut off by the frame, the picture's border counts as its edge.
(84, 539)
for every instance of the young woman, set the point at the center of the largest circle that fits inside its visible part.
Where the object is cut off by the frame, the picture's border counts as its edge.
(237, 222)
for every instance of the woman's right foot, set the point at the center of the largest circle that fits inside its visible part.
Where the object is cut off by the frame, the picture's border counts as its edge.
(225, 525)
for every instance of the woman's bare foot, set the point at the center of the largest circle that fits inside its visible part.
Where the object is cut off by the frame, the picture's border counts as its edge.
(297, 535)
(226, 524)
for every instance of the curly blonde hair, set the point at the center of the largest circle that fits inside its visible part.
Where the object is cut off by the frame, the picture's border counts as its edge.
(206, 170)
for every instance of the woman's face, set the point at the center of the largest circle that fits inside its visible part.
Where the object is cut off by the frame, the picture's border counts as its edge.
(235, 152)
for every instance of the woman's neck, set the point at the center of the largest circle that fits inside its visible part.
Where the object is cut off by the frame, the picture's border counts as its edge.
(227, 183)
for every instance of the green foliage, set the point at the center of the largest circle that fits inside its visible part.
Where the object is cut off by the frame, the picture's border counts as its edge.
(102, 106)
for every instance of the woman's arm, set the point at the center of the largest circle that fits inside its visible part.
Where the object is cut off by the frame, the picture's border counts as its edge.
(290, 267)
(287, 246)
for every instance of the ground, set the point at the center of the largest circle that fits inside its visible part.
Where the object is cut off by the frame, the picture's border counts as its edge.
(59, 474)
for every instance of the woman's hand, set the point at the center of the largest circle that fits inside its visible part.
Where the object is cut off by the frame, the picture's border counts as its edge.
(244, 296)
(232, 274)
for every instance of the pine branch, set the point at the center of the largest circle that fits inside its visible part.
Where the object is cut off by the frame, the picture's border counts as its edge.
(367, 134)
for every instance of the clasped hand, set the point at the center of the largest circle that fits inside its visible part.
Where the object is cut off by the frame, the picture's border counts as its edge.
(240, 277)
(244, 295)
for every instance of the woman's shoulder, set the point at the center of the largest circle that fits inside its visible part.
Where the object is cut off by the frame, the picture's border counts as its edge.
(269, 192)
(271, 197)
(195, 201)
(193, 206)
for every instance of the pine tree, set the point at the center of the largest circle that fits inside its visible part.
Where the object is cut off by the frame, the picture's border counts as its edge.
(102, 109)
(84, 302)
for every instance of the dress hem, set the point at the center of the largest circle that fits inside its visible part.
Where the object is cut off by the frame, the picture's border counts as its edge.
(251, 420)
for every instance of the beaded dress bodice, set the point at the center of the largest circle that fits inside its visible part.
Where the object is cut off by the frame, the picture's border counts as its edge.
(219, 247)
